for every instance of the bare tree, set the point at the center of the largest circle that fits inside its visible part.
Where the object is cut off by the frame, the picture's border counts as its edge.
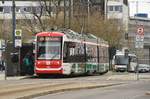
(6, 29)
(50, 14)
(43, 17)
(106, 29)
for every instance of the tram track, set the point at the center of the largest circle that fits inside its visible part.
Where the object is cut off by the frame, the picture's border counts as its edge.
(27, 91)
(28, 88)
(16, 91)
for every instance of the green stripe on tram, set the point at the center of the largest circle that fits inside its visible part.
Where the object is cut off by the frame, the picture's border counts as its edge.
(81, 68)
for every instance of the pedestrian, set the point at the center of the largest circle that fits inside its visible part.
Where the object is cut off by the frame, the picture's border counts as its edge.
(1, 66)
(28, 63)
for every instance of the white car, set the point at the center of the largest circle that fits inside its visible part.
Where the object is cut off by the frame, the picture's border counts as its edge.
(143, 68)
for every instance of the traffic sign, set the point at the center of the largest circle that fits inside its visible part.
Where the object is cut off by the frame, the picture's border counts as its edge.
(139, 44)
(18, 42)
(139, 38)
(140, 30)
(18, 32)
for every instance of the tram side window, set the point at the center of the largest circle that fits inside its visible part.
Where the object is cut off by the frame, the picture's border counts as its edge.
(91, 53)
(73, 52)
(65, 52)
(68, 52)
(101, 54)
(105, 54)
(79, 53)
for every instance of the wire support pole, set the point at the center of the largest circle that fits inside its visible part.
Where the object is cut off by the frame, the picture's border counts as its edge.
(13, 22)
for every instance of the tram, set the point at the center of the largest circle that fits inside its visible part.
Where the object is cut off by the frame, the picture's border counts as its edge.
(66, 52)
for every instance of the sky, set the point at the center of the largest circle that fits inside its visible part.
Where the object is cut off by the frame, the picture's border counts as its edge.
(139, 6)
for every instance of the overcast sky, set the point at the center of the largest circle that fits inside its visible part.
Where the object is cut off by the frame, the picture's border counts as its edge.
(139, 6)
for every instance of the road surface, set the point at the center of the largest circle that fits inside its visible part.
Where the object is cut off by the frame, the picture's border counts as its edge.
(133, 90)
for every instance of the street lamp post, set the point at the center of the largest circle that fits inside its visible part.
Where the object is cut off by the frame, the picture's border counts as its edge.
(13, 29)
(106, 8)
(64, 13)
(14, 37)
(88, 15)
(13, 21)
(70, 10)
(5, 77)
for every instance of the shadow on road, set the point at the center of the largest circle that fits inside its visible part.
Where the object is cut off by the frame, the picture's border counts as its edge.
(56, 76)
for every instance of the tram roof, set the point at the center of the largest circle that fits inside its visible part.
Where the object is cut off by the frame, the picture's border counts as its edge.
(86, 36)
(70, 34)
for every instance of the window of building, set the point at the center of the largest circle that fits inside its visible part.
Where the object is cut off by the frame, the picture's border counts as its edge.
(118, 8)
(27, 9)
(18, 9)
(111, 8)
(7, 9)
(1, 9)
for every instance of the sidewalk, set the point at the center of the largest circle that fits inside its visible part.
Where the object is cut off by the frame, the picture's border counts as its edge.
(129, 76)
(108, 76)
(3, 77)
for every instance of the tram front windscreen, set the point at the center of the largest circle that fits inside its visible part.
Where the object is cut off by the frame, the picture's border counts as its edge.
(49, 48)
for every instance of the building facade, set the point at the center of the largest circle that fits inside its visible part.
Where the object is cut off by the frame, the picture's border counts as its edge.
(82, 7)
(23, 9)
(139, 15)
(143, 53)
(118, 10)
(27, 9)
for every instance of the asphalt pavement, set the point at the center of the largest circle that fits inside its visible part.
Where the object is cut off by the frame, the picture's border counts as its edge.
(133, 90)
(32, 88)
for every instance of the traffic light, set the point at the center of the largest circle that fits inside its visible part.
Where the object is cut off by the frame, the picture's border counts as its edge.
(126, 36)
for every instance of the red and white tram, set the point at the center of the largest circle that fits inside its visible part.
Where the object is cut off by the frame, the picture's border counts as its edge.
(67, 52)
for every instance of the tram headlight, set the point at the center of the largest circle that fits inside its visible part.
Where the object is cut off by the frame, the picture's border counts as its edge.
(37, 63)
(58, 63)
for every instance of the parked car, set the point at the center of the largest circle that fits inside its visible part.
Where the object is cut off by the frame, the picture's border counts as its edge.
(143, 68)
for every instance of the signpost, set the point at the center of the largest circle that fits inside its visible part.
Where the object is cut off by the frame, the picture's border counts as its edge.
(139, 43)
(18, 41)
(139, 37)
(18, 44)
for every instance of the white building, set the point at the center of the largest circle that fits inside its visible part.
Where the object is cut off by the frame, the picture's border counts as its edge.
(139, 6)
(117, 9)
(24, 9)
